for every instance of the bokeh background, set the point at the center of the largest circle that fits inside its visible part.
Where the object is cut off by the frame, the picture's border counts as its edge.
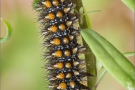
(21, 55)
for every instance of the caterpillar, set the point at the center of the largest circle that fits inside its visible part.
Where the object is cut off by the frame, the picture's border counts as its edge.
(61, 28)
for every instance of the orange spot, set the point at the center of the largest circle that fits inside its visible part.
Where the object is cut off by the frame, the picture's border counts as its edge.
(68, 65)
(59, 65)
(75, 63)
(53, 28)
(66, 10)
(72, 84)
(68, 23)
(74, 50)
(71, 37)
(60, 76)
(65, 40)
(62, 0)
(62, 27)
(59, 14)
(67, 53)
(76, 73)
(55, 3)
(68, 75)
(57, 54)
(47, 4)
(56, 41)
(62, 86)
(50, 16)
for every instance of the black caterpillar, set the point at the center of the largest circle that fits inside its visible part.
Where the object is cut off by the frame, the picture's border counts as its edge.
(61, 28)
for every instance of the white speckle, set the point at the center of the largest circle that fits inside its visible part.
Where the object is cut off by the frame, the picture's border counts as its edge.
(54, 2)
(56, 65)
(57, 76)
(53, 54)
(58, 87)
(49, 28)
(66, 52)
(52, 42)
(60, 27)
(57, 15)
(44, 3)
(46, 17)
(51, 86)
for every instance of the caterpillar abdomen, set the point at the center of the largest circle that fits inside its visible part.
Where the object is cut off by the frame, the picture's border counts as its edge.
(60, 27)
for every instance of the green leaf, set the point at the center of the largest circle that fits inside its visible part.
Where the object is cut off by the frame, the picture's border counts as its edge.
(98, 66)
(113, 61)
(130, 4)
(8, 29)
(103, 72)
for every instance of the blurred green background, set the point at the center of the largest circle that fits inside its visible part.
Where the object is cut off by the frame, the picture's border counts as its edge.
(21, 55)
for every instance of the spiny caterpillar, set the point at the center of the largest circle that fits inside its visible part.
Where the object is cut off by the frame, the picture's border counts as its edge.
(61, 27)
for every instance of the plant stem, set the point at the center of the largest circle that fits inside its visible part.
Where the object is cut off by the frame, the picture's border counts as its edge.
(89, 56)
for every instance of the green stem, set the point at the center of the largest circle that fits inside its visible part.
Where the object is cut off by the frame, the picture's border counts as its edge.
(89, 56)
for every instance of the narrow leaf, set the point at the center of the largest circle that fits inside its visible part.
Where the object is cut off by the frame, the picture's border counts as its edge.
(128, 54)
(113, 61)
(103, 72)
